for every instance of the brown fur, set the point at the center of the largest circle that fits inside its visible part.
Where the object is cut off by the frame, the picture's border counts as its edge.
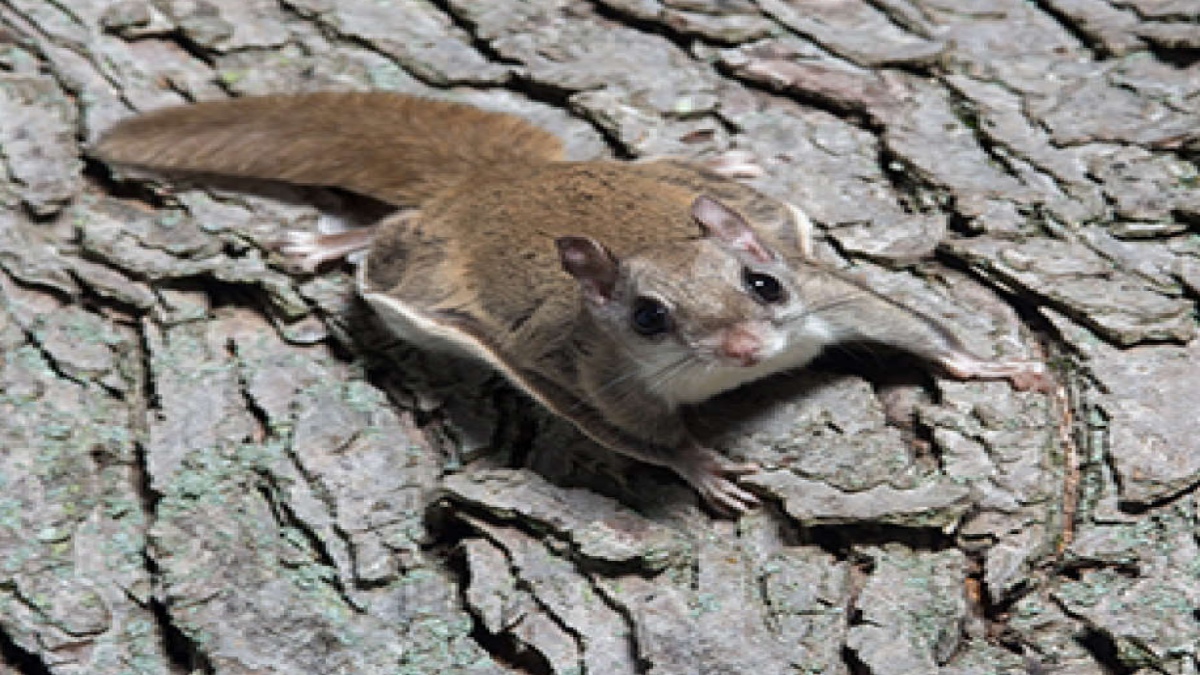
(400, 149)
(478, 264)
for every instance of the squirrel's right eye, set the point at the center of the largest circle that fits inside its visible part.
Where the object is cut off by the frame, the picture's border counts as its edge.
(650, 317)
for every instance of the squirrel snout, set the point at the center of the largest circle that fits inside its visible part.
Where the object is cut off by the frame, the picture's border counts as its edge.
(742, 345)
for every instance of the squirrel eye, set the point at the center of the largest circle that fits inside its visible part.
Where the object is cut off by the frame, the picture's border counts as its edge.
(650, 317)
(764, 287)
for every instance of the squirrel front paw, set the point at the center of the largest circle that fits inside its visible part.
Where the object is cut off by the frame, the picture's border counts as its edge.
(1024, 375)
(714, 478)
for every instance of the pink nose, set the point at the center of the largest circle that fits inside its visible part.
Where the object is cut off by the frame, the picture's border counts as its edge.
(742, 346)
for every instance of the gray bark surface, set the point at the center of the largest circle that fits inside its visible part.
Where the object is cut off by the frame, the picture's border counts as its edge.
(208, 465)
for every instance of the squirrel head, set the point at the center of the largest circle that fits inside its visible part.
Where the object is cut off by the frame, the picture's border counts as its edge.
(698, 316)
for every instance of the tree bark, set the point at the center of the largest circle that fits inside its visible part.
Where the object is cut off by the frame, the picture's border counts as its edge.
(208, 465)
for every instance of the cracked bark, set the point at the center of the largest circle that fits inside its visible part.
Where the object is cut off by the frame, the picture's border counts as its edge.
(207, 465)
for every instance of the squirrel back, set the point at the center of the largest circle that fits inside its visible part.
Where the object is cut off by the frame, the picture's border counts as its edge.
(400, 149)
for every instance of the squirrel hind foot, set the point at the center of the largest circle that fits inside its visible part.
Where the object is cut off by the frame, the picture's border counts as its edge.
(735, 165)
(306, 251)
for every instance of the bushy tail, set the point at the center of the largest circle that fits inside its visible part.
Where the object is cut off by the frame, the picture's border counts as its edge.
(400, 149)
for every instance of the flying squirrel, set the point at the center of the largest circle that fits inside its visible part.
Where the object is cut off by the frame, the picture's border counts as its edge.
(613, 293)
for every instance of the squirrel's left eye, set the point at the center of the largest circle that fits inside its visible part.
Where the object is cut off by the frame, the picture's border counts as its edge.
(650, 317)
(764, 287)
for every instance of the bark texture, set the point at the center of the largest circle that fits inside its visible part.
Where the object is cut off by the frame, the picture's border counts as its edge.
(210, 466)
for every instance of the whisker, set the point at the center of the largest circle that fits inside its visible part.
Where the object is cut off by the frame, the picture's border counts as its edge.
(669, 372)
(614, 384)
(830, 304)
(609, 386)
(656, 379)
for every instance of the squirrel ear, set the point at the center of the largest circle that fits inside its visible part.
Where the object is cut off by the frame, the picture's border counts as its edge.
(593, 265)
(727, 226)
